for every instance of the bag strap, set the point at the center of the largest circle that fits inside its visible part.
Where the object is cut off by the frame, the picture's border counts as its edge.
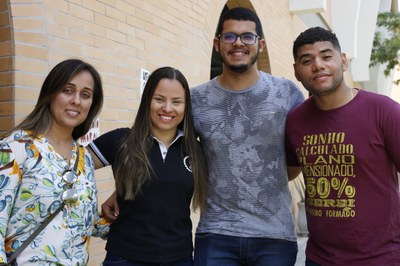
(42, 225)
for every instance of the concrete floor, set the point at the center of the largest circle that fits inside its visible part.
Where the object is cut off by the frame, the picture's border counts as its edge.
(301, 257)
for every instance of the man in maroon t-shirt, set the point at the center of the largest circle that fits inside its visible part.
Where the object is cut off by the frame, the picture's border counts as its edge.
(346, 141)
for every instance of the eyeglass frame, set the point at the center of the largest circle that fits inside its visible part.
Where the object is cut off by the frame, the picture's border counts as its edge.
(239, 36)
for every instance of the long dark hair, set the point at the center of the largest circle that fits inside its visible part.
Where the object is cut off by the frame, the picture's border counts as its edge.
(38, 121)
(133, 168)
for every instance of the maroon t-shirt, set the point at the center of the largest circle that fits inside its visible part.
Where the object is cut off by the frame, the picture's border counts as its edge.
(349, 157)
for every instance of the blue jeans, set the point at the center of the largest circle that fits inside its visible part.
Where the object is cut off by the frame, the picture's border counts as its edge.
(112, 260)
(220, 250)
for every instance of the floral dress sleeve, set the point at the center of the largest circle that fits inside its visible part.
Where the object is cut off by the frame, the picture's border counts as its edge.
(101, 226)
(10, 179)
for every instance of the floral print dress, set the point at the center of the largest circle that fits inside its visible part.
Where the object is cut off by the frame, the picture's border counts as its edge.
(31, 188)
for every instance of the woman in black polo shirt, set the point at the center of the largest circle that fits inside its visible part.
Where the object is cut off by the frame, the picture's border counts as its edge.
(159, 168)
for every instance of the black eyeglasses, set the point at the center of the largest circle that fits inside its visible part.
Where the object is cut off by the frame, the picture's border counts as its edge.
(70, 196)
(247, 38)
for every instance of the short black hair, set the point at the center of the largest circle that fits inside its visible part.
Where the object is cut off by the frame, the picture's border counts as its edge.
(241, 14)
(313, 35)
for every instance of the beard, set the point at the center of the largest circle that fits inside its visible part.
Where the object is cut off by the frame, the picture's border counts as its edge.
(240, 68)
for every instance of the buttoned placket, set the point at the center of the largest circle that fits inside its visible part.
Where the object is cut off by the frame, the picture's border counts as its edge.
(163, 148)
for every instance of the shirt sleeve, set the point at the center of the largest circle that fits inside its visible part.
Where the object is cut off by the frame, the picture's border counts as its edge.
(291, 159)
(297, 96)
(10, 179)
(391, 133)
(100, 226)
(106, 146)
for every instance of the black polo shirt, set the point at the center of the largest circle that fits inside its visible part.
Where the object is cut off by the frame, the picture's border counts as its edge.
(156, 225)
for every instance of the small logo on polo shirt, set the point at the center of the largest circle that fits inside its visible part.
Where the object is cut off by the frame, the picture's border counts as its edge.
(186, 163)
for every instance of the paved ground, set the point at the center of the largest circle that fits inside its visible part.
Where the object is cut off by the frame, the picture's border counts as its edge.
(301, 242)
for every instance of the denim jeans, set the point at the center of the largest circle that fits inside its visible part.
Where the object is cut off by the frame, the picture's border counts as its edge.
(112, 260)
(220, 250)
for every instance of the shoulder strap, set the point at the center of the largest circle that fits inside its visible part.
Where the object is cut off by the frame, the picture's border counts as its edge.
(44, 224)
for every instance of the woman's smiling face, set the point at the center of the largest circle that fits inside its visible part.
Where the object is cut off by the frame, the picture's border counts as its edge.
(167, 108)
(70, 106)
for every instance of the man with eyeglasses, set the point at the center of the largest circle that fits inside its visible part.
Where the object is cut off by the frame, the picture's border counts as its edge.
(240, 117)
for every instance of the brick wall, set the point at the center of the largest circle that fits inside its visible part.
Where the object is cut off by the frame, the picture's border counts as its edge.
(119, 38)
(6, 69)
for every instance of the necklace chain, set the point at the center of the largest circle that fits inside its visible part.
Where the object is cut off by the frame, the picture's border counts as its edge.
(56, 144)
